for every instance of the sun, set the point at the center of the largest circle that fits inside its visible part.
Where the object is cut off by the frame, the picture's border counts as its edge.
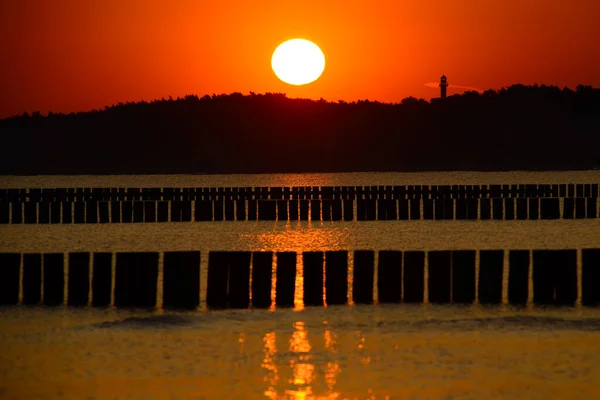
(298, 62)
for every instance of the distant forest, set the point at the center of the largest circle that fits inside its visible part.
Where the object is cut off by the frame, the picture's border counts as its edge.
(515, 128)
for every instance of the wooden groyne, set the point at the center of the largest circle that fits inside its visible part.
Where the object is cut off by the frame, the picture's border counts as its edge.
(407, 192)
(151, 211)
(266, 279)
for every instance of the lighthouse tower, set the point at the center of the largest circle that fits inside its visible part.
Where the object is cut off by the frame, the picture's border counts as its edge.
(443, 86)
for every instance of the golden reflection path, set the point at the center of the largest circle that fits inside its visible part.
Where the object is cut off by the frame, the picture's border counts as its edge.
(302, 383)
(298, 241)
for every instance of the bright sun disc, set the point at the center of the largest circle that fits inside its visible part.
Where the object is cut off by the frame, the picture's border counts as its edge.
(298, 62)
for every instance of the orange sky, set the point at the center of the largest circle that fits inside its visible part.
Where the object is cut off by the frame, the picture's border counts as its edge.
(68, 55)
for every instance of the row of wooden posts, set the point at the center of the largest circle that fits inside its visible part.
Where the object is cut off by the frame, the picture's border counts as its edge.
(297, 210)
(245, 279)
(406, 192)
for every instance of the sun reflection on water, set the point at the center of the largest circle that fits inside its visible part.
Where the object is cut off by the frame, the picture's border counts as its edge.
(303, 381)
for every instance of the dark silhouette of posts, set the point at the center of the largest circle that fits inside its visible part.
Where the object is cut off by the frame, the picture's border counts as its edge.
(16, 214)
(463, 276)
(304, 210)
(389, 279)
(4, 212)
(549, 208)
(136, 279)
(203, 210)
(149, 211)
(285, 286)
(497, 208)
(181, 279)
(262, 267)
(218, 211)
(580, 208)
(522, 208)
(590, 277)
(364, 270)
(348, 210)
(229, 210)
(282, 210)
(509, 209)
(43, 212)
(336, 277)
(240, 210)
(415, 209)
(79, 279)
(440, 265)
(228, 279)
(127, 212)
(101, 279)
(313, 278)
(568, 208)
(315, 210)
(491, 267)
(30, 212)
(518, 276)
(218, 275)
(10, 268)
(54, 279)
(32, 278)
(554, 273)
(239, 280)
(591, 207)
(485, 209)
(414, 276)
(294, 210)
(336, 210)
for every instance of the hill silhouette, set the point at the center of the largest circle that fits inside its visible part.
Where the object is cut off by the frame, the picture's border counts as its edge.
(515, 128)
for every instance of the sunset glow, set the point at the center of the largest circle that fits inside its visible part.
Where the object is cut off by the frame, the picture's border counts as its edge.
(70, 55)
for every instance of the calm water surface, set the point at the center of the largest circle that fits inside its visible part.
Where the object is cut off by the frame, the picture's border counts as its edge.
(353, 352)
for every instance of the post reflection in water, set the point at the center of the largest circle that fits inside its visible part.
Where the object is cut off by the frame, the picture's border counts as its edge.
(302, 384)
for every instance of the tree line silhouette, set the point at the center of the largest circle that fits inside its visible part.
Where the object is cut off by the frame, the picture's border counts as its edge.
(514, 128)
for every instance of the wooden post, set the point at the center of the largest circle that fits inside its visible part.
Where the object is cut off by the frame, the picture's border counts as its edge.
(509, 209)
(336, 210)
(282, 210)
(491, 265)
(591, 207)
(485, 209)
(127, 212)
(54, 279)
(138, 211)
(229, 210)
(267, 210)
(44, 212)
(518, 276)
(240, 209)
(580, 208)
(549, 208)
(32, 278)
(285, 286)
(79, 279)
(10, 268)
(315, 210)
(415, 209)
(136, 279)
(101, 279)
(313, 278)
(362, 284)
(590, 271)
(336, 277)
(218, 210)
(568, 208)
(389, 279)
(181, 279)
(414, 276)
(427, 209)
(218, 275)
(204, 210)
(30, 212)
(463, 276)
(262, 266)
(554, 271)
(440, 263)
(238, 295)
